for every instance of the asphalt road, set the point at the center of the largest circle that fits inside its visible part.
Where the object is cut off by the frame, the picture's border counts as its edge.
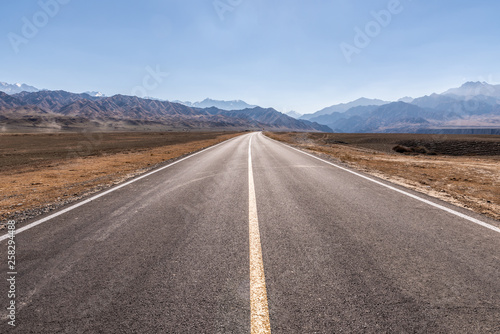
(170, 253)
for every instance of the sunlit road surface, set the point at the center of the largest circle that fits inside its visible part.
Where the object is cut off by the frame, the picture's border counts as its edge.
(254, 236)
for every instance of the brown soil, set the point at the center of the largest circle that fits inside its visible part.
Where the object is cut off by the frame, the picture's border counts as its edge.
(40, 172)
(467, 178)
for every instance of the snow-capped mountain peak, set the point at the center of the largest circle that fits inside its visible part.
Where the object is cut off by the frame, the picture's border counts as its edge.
(224, 105)
(16, 88)
(471, 88)
(95, 94)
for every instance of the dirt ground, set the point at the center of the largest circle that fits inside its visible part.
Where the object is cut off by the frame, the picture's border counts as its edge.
(40, 172)
(461, 169)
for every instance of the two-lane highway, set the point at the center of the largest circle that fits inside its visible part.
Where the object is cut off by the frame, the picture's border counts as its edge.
(250, 235)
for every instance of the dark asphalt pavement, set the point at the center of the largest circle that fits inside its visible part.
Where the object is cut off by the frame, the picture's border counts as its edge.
(170, 254)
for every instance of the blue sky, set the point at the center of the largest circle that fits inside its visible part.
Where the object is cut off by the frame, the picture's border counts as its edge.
(284, 54)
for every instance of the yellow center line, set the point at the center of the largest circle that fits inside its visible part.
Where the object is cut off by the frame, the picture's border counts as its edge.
(259, 311)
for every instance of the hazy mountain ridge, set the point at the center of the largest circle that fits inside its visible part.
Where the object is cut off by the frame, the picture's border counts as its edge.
(269, 116)
(474, 104)
(343, 107)
(16, 88)
(475, 89)
(220, 104)
(293, 114)
(64, 108)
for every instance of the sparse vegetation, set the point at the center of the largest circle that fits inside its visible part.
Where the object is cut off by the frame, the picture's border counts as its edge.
(40, 172)
(402, 149)
(414, 150)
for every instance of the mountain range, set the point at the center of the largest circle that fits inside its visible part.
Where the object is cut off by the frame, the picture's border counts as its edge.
(19, 88)
(48, 110)
(472, 108)
(343, 107)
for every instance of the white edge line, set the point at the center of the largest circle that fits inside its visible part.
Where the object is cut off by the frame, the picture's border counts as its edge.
(456, 213)
(74, 206)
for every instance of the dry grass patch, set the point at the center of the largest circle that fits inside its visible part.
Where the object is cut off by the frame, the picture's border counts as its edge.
(56, 177)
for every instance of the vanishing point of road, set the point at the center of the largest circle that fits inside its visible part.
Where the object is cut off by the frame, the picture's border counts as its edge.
(253, 236)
